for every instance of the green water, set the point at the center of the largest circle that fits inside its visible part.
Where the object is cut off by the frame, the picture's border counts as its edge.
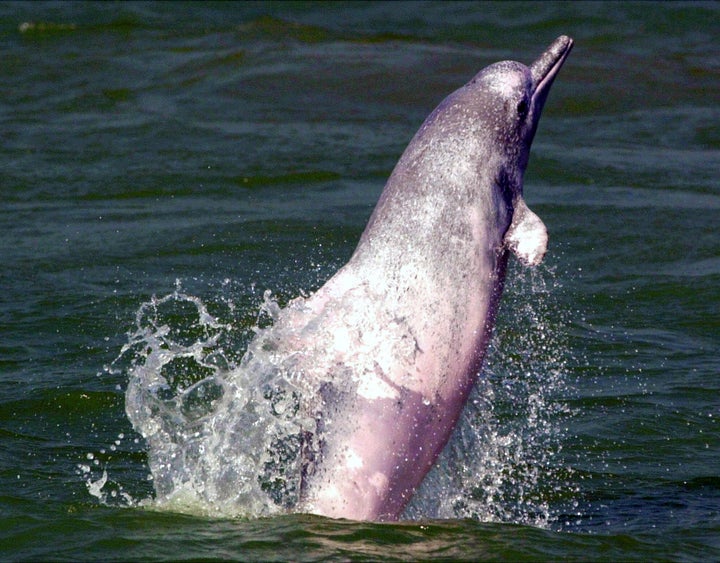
(240, 147)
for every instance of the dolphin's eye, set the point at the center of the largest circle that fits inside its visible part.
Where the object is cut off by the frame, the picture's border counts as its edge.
(522, 109)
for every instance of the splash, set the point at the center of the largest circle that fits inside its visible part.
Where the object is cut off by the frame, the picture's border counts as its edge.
(106, 490)
(501, 465)
(230, 435)
(224, 437)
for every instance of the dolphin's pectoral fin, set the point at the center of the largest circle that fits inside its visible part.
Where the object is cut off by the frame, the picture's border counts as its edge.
(527, 236)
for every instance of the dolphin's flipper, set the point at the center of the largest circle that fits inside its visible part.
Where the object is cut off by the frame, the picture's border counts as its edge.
(527, 236)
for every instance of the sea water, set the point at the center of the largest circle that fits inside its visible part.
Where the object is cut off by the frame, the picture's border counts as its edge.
(240, 148)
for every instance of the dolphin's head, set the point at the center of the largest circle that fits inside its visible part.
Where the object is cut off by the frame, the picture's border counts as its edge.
(512, 96)
(475, 145)
(509, 98)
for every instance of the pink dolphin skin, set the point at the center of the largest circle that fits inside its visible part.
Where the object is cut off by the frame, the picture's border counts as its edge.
(404, 325)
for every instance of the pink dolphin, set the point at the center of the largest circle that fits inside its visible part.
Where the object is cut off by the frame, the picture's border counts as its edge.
(401, 330)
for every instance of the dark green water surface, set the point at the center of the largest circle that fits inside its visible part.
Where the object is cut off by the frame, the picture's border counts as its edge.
(235, 147)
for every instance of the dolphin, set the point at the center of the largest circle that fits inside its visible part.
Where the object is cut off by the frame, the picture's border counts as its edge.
(397, 336)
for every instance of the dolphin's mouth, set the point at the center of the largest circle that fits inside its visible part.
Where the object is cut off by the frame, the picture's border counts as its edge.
(545, 68)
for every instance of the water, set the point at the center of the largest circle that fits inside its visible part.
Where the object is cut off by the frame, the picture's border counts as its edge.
(238, 148)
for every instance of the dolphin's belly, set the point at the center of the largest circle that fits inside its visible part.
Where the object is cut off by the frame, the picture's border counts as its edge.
(374, 458)
(395, 376)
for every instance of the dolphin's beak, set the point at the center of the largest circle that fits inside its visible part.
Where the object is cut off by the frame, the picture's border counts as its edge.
(545, 69)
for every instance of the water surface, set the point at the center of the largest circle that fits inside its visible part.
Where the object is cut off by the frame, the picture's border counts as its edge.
(227, 149)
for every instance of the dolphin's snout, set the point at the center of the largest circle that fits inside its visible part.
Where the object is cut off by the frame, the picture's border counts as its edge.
(546, 67)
